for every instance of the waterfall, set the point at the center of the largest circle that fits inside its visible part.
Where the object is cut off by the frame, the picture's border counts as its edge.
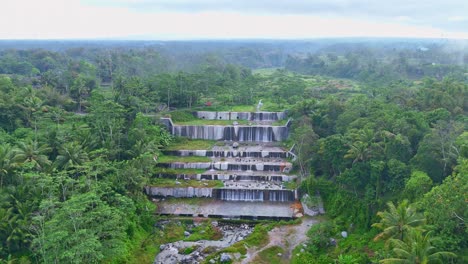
(233, 133)
(228, 153)
(179, 192)
(251, 195)
(252, 116)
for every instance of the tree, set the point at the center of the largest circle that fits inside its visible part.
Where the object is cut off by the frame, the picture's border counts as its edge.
(71, 154)
(417, 185)
(7, 162)
(445, 207)
(31, 152)
(416, 249)
(107, 119)
(397, 222)
(305, 138)
(84, 229)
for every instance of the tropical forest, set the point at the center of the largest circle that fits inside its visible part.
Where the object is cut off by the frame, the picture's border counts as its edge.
(342, 150)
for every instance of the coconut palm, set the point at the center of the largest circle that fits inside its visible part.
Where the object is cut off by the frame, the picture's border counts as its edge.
(396, 222)
(416, 249)
(71, 154)
(6, 162)
(31, 151)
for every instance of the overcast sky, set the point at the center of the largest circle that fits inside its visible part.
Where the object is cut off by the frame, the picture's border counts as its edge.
(222, 19)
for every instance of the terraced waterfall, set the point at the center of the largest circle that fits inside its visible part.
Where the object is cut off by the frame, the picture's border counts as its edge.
(247, 159)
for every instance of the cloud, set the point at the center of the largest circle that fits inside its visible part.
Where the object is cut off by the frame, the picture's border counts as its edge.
(208, 19)
(428, 12)
(458, 18)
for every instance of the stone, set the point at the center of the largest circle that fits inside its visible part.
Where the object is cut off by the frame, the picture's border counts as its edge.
(225, 258)
(332, 241)
(279, 254)
(186, 233)
(344, 234)
(235, 145)
(299, 215)
(162, 247)
(302, 250)
(212, 261)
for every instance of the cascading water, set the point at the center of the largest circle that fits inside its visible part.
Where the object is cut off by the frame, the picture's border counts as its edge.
(251, 195)
(249, 163)
(228, 153)
(232, 133)
(252, 116)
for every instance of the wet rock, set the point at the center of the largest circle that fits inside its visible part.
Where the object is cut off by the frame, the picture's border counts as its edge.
(187, 260)
(225, 258)
(344, 234)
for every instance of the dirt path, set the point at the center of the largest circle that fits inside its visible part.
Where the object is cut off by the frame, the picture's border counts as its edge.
(286, 237)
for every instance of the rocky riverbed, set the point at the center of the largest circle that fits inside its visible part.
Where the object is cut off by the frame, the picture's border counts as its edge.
(196, 252)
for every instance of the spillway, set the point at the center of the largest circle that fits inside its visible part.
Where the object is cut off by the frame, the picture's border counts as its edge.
(253, 170)
(232, 133)
(252, 116)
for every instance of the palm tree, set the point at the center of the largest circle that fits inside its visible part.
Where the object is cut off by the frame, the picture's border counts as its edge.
(31, 151)
(6, 162)
(363, 146)
(416, 249)
(398, 221)
(70, 155)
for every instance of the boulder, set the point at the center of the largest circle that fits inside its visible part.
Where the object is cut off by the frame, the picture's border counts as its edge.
(225, 258)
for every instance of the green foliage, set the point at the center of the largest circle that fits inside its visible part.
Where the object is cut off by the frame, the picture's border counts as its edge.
(181, 143)
(168, 183)
(446, 209)
(270, 255)
(183, 159)
(417, 185)
(398, 221)
(77, 148)
(204, 231)
(182, 116)
(416, 248)
(259, 236)
(319, 235)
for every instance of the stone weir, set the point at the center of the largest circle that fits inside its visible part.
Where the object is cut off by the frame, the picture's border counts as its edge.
(241, 133)
(252, 116)
(247, 159)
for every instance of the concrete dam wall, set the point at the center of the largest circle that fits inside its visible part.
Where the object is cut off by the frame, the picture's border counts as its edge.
(252, 116)
(225, 194)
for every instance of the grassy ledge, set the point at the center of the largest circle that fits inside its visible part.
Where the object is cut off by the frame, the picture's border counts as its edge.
(184, 159)
(171, 183)
(159, 170)
(190, 144)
